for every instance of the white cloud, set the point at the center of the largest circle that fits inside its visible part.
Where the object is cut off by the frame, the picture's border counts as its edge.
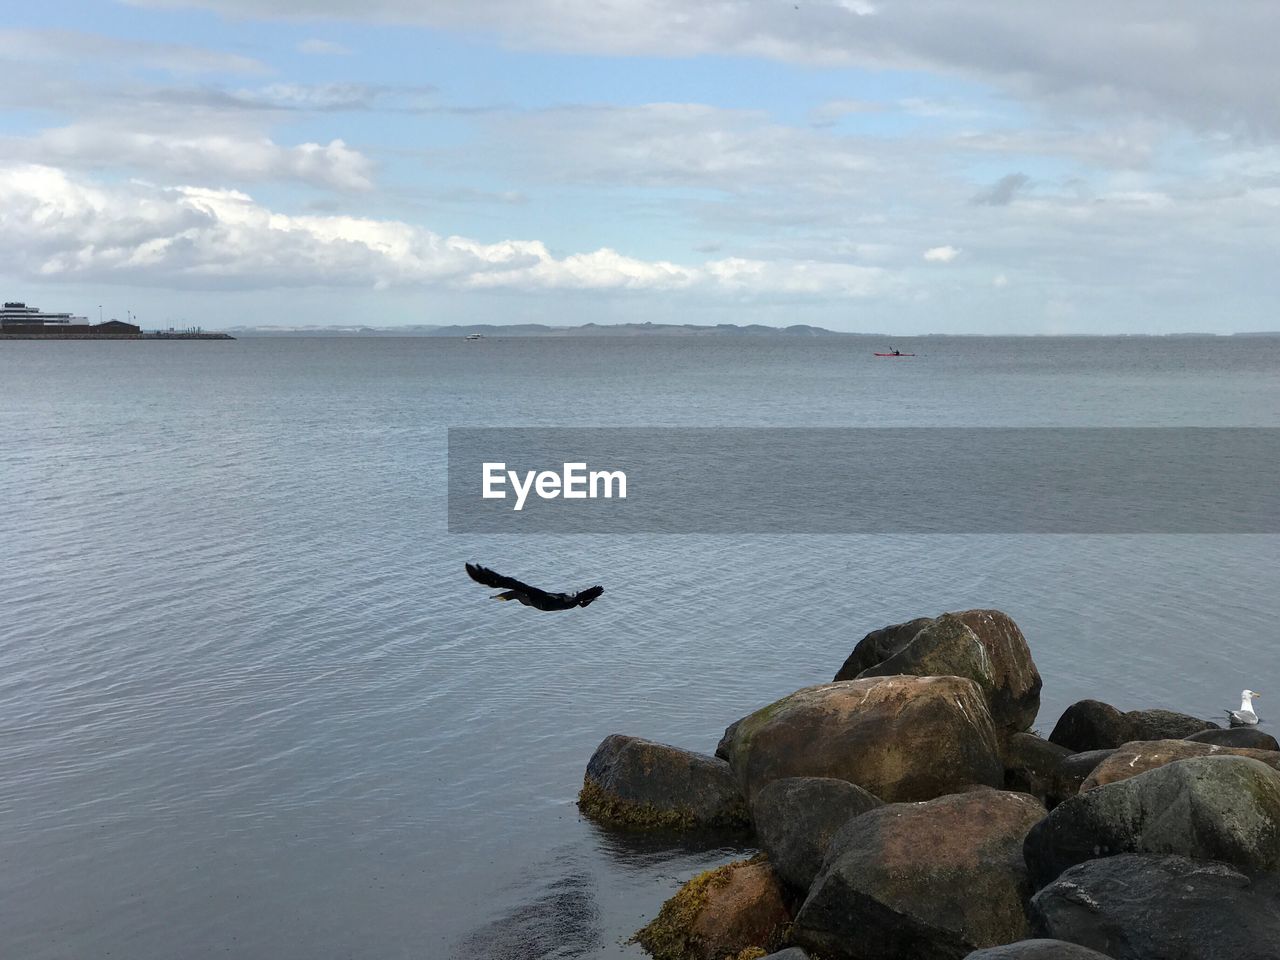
(323, 48)
(941, 254)
(1000, 281)
(209, 156)
(55, 227)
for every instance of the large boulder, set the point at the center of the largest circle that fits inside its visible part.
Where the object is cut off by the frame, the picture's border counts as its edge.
(932, 880)
(1075, 769)
(1037, 950)
(1094, 725)
(638, 783)
(796, 817)
(984, 645)
(1248, 737)
(724, 912)
(1132, 759)
(879, 645)
(1134, 907)
(1210, 808)
(1034, 765)
(900, 738)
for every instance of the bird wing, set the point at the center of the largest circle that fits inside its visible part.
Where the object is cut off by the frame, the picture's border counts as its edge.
(496, 580)
(589, 594)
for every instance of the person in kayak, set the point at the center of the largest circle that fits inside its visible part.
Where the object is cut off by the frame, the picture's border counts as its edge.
(897, 352)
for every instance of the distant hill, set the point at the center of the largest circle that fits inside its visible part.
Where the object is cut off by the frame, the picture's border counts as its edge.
(542, 330)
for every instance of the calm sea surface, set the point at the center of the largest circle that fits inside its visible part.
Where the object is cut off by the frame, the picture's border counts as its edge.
(251, 706)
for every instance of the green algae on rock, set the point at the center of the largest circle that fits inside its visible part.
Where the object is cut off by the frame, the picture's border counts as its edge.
(645, 785)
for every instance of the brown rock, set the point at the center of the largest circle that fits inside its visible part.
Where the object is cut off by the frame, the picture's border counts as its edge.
(1015, 701)
(1034, 765)
(984, 645)
(936, 880)
(1132, 759)
(721, 913)
(901, 738)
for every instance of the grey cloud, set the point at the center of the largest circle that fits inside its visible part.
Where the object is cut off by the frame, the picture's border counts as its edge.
(1001, 193)
(1210, 65)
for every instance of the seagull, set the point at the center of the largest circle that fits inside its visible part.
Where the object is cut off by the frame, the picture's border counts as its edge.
(1244, 717)
(513, 589)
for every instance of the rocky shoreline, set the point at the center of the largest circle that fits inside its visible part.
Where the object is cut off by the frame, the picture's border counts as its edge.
(906, 810)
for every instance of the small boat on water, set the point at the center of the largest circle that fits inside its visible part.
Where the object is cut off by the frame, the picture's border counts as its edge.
(895, 353)
(474, 336)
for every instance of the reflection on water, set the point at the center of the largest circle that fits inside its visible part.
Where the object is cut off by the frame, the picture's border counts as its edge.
(560, 923)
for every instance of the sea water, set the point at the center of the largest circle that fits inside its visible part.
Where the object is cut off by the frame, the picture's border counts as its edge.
(251, 706)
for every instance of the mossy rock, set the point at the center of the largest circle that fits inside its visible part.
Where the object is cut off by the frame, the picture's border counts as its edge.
(640, 784)
(735, 911)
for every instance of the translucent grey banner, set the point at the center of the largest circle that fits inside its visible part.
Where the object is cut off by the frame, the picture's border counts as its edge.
(910, 480)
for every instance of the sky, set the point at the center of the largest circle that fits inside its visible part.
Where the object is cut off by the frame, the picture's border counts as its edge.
(893, 166)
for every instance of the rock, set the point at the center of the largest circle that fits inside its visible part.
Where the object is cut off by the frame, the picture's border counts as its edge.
(1135, 758)
(1090, 725)
(1210, 808)
(932, 880)
(791, 953)
(1076, 768)
(1167, 907)
(1037, 950)
(721, 913)
(1034, 765)
(1094, 725)
(796, 817)
(880, 645)
(637, 783)
(1163, 725)
(1015, 701)
(1249, 737)
(900, 738)
(984, 645)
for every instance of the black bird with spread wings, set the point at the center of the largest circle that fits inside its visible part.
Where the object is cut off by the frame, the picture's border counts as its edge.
(530, 596)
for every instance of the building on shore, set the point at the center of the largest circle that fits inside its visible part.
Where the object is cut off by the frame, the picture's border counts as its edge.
(18, 319)
(16, 314)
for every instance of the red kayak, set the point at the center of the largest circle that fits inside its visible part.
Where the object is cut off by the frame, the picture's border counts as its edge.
(895, 354)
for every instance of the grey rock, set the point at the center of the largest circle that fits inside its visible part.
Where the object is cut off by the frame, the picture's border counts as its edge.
(796, 817)
(1248, 737)
(1094, 725)
(1037, 950)
(1134, 907)
(1209, 808)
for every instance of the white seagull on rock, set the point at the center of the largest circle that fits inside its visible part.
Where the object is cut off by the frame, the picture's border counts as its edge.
(1244, 717)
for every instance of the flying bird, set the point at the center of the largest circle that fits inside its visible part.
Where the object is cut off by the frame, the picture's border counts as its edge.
(1244, 717)
(513, 589)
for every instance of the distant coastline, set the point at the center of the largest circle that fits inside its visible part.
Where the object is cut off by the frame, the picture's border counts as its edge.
(488, 330)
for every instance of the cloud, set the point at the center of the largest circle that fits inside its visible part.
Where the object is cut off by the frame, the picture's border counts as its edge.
(1209, 65)
(55, 227)
(323, 48)
(212, 156)
(941, 254)
(678, 144)
(74, 46)
(1000, 194)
